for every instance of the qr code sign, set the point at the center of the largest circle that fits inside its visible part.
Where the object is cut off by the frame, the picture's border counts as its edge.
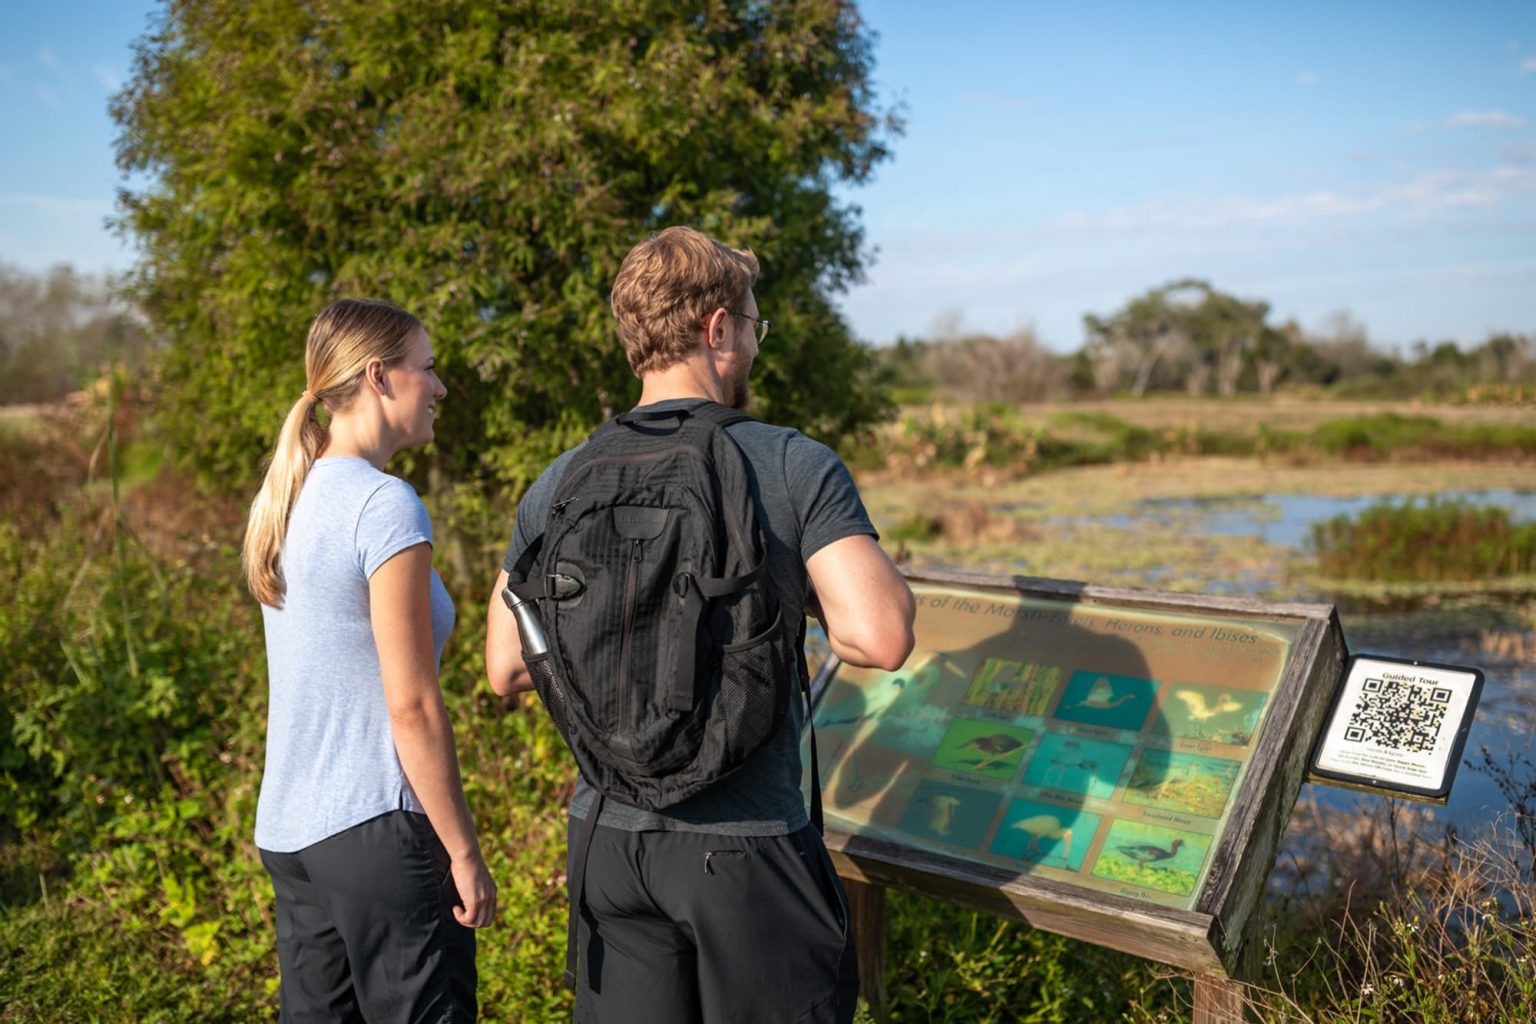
(1398, 715)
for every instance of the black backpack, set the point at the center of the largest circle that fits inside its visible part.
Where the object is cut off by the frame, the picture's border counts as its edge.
(669, 662)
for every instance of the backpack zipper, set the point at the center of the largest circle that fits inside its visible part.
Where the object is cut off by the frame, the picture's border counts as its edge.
(631, 583)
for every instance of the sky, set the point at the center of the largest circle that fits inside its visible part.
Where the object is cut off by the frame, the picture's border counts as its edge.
(1058, 159)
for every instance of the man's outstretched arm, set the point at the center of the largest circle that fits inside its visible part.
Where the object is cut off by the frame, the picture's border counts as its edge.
(865, 604)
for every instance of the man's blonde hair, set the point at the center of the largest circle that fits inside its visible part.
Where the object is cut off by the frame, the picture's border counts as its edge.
(668, 286)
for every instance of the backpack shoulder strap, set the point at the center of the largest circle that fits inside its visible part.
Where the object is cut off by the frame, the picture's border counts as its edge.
(720, 415)
(519, 570)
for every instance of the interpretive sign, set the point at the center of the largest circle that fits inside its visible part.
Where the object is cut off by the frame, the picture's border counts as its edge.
(1116, 765)
(1398, 727)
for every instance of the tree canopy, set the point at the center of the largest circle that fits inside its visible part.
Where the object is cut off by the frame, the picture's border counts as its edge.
(487, 165)
(1187, 329)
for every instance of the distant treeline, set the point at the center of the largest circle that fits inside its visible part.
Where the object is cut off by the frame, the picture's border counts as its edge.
(58, 330)
(1190, 338)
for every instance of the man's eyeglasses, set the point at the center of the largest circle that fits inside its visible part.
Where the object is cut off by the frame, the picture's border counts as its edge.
(762, 328)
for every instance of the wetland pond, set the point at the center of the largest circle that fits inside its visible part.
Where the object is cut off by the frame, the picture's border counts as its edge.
(1287, 519)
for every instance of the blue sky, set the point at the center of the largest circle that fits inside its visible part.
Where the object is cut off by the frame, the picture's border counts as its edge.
(1378, 158)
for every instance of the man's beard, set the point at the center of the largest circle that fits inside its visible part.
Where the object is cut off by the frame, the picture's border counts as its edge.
(738, 390)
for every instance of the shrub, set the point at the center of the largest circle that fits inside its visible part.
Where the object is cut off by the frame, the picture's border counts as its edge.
(1434, 541)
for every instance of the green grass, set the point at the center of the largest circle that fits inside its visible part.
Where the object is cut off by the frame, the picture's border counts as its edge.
(1427, 542)
(1009, 440)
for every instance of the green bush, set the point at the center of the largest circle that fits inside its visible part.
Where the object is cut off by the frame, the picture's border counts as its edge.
(1433, 541)
(1377, 434)
(997, 436)
(132, 711)
(488, 166)
(1393, 434)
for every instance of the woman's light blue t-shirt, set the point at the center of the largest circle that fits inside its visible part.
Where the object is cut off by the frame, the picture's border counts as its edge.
(331, 760)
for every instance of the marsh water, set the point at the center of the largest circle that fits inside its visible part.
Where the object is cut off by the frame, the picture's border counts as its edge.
(1287, 519)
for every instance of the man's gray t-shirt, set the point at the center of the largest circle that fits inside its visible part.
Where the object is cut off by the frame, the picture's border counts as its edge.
(806, 500)
(331, 760)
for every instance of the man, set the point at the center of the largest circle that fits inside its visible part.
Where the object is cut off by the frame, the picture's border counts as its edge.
(724, 907)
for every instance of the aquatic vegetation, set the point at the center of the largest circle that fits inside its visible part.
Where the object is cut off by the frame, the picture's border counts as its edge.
(1425, 542)
(1009, 442)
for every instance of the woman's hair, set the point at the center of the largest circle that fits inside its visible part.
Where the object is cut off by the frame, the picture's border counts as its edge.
(668, 285)
(343, 338)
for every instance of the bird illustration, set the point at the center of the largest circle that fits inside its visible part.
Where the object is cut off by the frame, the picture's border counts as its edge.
(1102, 697)
(1180, 773)
(995, 746)
(941, 812)
(1201, 711)
(1146, 853)
(1060, 767)
(1045, 826)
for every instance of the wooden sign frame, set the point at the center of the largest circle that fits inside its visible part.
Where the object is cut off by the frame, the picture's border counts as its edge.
(1210, 939)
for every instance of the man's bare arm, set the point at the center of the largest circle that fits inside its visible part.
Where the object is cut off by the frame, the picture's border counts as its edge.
(865, 603)
(504, 647)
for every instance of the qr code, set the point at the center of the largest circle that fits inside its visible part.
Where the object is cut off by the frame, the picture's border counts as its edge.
(1398, 715)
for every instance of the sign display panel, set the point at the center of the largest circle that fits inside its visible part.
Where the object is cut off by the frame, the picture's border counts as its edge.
(1084, 743)
(1398, 726)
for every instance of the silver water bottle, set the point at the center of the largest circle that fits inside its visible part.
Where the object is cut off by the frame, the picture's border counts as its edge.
(529, 628)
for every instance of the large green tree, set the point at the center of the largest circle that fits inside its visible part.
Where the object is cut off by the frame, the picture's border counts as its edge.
(487, 165)
(1185, 328)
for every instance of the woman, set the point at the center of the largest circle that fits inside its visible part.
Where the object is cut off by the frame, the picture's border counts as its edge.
(362, 821)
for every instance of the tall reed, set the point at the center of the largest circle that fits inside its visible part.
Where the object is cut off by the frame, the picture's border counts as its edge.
(1435, 540)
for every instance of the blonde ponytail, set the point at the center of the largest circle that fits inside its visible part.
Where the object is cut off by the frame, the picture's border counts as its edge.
(343, 338)
(299, 443)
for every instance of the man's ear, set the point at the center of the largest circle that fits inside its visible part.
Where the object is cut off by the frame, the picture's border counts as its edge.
(714, 328)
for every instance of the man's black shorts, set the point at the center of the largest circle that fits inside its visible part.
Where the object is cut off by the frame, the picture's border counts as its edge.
(685, 927)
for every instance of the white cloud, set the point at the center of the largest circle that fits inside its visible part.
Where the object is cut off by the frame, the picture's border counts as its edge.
(47, 59)
(1427, 193)
(1483, 119)
(1307, 78)
(108, 77)
(1528, 65)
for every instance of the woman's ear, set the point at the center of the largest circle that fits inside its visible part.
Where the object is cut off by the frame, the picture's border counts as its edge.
(376, 377)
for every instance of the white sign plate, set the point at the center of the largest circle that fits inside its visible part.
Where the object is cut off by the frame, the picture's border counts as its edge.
(1398, 726)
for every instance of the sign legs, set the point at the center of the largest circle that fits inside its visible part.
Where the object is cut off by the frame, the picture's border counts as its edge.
(866, 910)
(1218, 1001)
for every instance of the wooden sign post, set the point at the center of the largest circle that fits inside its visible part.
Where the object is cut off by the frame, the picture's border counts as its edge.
(1109, 764)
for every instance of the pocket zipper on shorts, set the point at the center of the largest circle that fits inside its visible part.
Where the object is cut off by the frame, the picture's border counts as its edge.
(719, 853)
